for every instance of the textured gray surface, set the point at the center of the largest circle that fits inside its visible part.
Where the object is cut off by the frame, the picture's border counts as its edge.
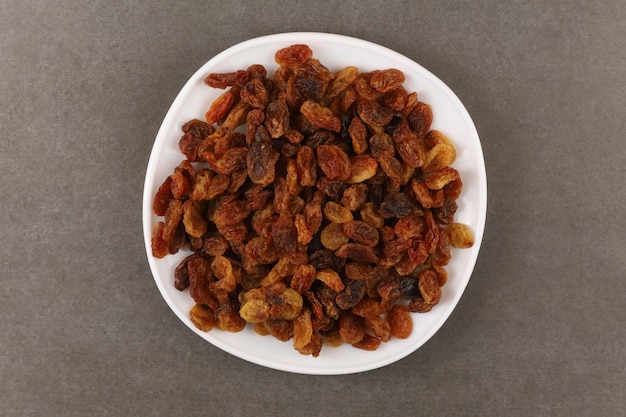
(84, 331)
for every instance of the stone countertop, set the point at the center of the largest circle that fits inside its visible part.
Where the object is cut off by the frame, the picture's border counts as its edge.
(84, 330)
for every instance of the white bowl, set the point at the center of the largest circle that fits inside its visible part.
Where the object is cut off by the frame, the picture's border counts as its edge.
(335, 52)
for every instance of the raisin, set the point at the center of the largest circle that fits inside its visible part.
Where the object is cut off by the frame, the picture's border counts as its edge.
(255, 311)
(411, 152)
(215, 245)
(452, 190)
(439, 179)
(362, 168)
(393, 169)
(162, 197)
(330, 278)
(303, 278)
(200, 277)
(420, 119)
(325, 259)
(203, 317)
(461, 236)
(342, 80)
(188, 146)
(354, 196)
(381, 143)
(220, 108)
(400, 322)
(233, 160)
(361, 232)
(396, 205)
(357, 252)
(387, 80)
(408, 287)
(419, 305)
(236, 116)
(194, 220)
(306, 166)
(331, 188)
(353, 292)
(429, 287)
(320, 116)
(334, 162)
(224, 80)
(351, 327)
(396, 99)
(254, 93)
(333, 237)
(438, 157)
(409, 227)
(277, 118)
(370, 214)
(302, 330)
(368, 342)
(293, 55)
(261, 163)
(228, 318)
(358, 134)
(285, 235)
(336, 213)
(374, 113)
(442, 253)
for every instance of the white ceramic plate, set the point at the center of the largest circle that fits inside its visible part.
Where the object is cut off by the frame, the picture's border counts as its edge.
(335, 52)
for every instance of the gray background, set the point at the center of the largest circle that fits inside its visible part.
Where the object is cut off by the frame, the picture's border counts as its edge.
(84, 331)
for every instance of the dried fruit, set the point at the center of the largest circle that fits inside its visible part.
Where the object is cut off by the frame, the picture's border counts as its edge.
(320, 116)
(293, 55)
(261, 163)
(327, 218)
(400, 322)
(332, 236)
(387, 80)
(461, 236)
(334, 162)
(362, 168)
(361, 232)
(336, 213)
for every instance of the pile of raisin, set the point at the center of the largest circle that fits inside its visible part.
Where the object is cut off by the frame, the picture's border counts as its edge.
(318, 206)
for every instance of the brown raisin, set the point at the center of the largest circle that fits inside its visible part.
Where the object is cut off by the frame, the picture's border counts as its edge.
(357, 252)
(386, 80)
(332, 236)
(374, 113)
(303, 278)
(224, 80)
(362, 168)
(358, 134)
(220, 108)
(336, 213)
(203, 317)
(461, 235)
(277, 118)
(261, 163)
(306, 166)
(293, 55)
(254, 93)
(420, 119)
(361, 232)
(400, 322)
(320, 116)
(354, 196)
(342, 80)
(429, 287)
(351, 327)
(396, 205)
